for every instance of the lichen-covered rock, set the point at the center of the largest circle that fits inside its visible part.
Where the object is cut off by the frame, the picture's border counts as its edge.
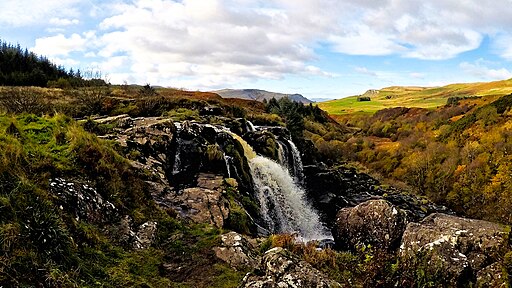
(81, 199)
(376, 222)
(451, 250)
(202, 204)
(147, 141)
(492, 276)
(236, 250)
(139, 238)
(280, 268)
(145, 235)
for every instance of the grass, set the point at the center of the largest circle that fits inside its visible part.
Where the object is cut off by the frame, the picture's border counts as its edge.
(419, 97)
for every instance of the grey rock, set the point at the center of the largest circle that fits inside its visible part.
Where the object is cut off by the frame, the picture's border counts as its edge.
(81, 198)
(280, 268)
(145, 235)
(237, 251)
(203, 204)
(451, 248)
(376, 222)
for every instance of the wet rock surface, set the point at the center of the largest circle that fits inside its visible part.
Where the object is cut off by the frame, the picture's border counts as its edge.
(454, 250)
(376, 222)
(280, 268)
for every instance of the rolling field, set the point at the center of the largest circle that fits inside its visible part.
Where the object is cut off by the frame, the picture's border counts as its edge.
(419, 97)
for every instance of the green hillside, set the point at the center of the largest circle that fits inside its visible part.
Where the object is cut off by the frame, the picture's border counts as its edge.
(420, 97)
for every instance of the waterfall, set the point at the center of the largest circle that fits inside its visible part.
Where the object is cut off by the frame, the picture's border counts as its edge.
(298, 168)
(227, 159)
(282, 154)
(249, 126)
(177, 160)
(283, 203)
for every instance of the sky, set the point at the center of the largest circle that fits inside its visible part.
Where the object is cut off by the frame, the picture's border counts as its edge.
(318, 48)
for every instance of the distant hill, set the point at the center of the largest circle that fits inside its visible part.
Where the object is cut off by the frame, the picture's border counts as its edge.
(259, 95)
(411, 96)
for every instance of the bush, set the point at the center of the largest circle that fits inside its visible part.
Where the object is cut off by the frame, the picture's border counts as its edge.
(18, 100)
(363, 98)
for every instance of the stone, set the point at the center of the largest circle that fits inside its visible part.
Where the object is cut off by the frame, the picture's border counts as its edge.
(332, 189)
(203, 204)
(79, 197)
(492, 276)
(452, 249)
(237, 251)
(145, 235)
(280, 268)
(376, 222)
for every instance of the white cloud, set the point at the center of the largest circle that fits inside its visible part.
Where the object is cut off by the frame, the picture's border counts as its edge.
(364, 70)
(207, 39)
(63, 21)
(60, 45)
(19, 13)
(482, 70)
(218, 42)
(503, 47)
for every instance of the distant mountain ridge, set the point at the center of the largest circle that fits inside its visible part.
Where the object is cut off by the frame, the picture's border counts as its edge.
(259, 95)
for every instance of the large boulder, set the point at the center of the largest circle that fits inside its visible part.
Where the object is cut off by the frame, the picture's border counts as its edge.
(237, 251)
(280, 268)
(453, 251)
(205, 203)
(376, 222)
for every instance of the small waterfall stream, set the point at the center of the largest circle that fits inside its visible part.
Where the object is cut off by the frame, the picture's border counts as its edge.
(298, 168)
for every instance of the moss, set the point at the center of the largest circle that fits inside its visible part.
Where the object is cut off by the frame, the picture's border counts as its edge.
(237, 220)
(214, 153)
(182, 114)
(225, 277)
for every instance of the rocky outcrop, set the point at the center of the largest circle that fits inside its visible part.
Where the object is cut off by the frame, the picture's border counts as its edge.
(264, 143)
(205, 203)
(138, 238)
(184, 164)
(376, 222)
(82, 200)
(145, 235)
(237, 251)
(146, 141)
(332, 189)
(453, 251)
(280, 268)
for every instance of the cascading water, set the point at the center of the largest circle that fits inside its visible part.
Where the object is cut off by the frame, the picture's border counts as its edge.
(298, 168)
(282, 201)
(282, 154)
(283, 204)
(249, 126)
